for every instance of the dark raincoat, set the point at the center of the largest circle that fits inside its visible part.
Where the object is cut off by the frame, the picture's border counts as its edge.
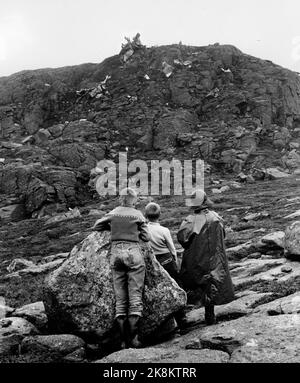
(204, 270)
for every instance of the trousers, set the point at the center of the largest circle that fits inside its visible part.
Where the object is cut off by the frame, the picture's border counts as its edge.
(128, 272)
(168, 263)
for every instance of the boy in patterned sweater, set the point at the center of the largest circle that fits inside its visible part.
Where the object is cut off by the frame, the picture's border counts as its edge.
(127, 226)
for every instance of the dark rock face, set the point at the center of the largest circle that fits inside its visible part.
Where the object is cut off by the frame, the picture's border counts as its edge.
(79, 295)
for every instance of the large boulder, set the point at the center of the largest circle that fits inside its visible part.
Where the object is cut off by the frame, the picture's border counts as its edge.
(292, 239)
(79, 295)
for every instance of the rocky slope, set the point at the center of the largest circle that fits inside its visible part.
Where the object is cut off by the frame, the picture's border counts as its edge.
(235, 111)
(246, 119)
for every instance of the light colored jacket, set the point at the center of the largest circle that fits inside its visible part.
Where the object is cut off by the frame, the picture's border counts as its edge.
(160, 239)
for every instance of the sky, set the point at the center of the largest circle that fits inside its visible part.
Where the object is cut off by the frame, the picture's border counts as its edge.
(54, 33)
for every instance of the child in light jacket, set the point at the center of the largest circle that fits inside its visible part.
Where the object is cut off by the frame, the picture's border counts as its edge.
(164, 250)
(161, 241)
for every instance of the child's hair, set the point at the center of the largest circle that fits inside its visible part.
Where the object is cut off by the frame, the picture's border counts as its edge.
(128, 197)
(152, 211)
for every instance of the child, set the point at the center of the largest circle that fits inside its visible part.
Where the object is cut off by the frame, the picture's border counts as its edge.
(164, 250)
(127, 226)
(161, 241)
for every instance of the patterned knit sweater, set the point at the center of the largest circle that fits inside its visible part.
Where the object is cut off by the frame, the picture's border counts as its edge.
(125, 223)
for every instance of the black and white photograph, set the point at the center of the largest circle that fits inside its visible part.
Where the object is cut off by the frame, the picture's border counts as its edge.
(149, 186)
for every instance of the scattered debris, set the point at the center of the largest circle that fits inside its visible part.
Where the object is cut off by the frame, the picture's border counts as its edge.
(130, 47)
(213, 93)
(187, 63)
(127, 54)
(226, 70)
(100, 89)
(132, 98)
(136, 42)
(97, 92)
(167, 69)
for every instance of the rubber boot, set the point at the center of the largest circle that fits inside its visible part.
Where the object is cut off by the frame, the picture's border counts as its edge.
(210, 317)
(121, 324)
(133, 330)
(181, 319)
